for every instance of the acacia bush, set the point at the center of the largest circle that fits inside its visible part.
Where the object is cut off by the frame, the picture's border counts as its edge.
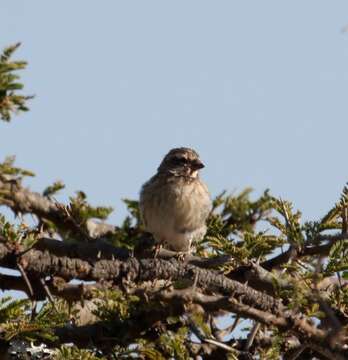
(262, 284)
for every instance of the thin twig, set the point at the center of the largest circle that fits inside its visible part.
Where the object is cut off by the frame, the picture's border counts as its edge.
(26, 279)
(30, 289)
(325, 352)
(297, 352)
(219, 344)
(235, 323)
(202, 338)
(252, 336)
(48, 293)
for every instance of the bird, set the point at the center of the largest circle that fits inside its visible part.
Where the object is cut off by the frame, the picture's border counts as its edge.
(175, 203)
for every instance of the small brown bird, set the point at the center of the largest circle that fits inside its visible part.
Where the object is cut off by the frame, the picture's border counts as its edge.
(175, 203)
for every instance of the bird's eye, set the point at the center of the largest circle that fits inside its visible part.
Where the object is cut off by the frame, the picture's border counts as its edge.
(179, 160)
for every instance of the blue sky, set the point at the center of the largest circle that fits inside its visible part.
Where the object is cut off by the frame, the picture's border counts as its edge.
(258, 88)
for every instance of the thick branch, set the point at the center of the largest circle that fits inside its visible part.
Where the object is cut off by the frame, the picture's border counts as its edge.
(176, 299)
(42, 263)
(233, 297)
(22, 200)
(100, 249)
(89, 251)
(148, 322)
(57, 287)
(259, 278)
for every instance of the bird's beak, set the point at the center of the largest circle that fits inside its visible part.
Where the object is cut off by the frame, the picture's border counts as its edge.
(197, 164)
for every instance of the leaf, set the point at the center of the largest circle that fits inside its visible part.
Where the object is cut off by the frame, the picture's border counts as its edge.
(53, 189)
(11, 101)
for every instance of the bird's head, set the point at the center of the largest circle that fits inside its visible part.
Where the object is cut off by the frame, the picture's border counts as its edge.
(181, 162)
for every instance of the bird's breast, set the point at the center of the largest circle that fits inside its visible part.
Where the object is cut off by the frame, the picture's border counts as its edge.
(178, 207)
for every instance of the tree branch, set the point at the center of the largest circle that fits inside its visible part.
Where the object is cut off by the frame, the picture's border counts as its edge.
(22, 200)
(308, 250)
(36, 262)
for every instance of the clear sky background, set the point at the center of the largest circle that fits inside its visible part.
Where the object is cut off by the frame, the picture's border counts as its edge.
(258, 88)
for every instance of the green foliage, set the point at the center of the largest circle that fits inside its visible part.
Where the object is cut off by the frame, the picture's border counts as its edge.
(11, 310)
(81, 210)
(74, 353)
(113, 304)
(130, 231)
(151, 353)
(10, 100)
(338, 257)
(18, 236)
(201, 324)
(338, 297)
(173, 344)
(291, 227)
(233, 227)
(53, 189)
(239, 213)
(23, 326)
(274, 351)
(133, 208)
(261, 244)
(238, 225)
(10, 172)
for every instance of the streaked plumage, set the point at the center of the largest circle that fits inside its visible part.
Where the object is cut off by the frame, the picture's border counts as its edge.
(175, 202)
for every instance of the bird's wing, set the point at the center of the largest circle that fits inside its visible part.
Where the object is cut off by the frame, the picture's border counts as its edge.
(142, 208)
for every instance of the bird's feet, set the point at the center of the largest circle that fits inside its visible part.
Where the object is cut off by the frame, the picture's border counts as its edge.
(182, 255)
(158, 248)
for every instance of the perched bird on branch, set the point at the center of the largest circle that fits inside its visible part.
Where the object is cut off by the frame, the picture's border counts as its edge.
(175, 202)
